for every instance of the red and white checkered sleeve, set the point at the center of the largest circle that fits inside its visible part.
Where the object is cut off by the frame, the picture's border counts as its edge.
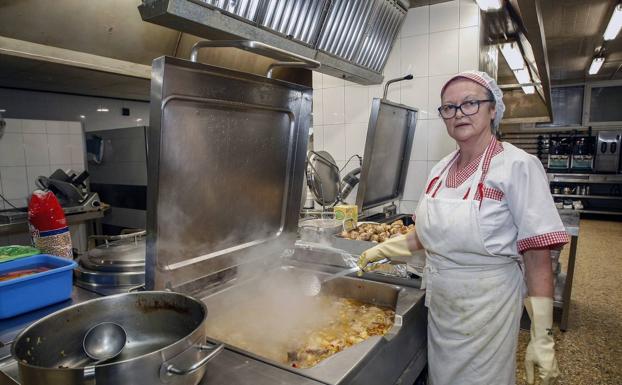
(532, 207)
(552, 240)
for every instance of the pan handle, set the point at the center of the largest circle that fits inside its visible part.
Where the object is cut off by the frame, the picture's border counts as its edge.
(386, 86)
(170, 368)
(286, 59)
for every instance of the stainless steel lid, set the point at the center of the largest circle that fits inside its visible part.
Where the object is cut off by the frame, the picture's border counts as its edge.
(116, 256)
(387, 153)
(225, 168)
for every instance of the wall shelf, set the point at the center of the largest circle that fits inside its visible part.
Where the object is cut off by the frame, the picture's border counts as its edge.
(598, 203)
(588, 211)
(587, 196)
(584, 178)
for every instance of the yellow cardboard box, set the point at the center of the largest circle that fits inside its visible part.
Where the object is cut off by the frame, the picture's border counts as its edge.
(348, 214)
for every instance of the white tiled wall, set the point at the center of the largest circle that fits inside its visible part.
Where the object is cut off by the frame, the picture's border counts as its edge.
(435, 42)
(31, 148)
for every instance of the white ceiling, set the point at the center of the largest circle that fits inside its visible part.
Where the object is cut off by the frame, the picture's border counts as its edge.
(573, 29)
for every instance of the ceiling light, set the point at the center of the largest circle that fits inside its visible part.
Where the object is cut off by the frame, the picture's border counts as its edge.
(511, 53)
(82, 116)
(522, 75)
(615, 23)
(529, 90)
(489, 5)
(2, 110)
(139, 120)
(102, 109)
(597, 62)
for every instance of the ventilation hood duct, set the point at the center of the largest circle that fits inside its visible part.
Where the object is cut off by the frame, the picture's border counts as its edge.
(352, 39)
(519, 22)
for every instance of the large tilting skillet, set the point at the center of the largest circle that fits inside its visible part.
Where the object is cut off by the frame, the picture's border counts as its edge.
(226, 168)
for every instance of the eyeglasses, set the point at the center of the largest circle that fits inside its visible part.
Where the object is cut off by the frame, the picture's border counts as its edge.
(468, 108)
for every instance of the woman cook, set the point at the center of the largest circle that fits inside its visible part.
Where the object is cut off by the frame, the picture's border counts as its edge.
(485, 218)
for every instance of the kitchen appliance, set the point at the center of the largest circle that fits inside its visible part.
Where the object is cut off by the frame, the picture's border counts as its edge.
(165, 342)
(71, 191)
(116, 266)
(608, 151)
(559, 153)
(582, 153)
(388, 145)
(352, 39)
(382, 175)
(246, 136)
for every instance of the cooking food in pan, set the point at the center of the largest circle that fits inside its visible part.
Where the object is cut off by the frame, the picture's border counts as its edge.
(355, 323)
(377, 232)
(303, 337)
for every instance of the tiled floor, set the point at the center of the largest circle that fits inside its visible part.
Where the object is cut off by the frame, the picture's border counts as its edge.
(590, 352)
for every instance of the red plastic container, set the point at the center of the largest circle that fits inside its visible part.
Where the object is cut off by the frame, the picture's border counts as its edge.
(48, 225)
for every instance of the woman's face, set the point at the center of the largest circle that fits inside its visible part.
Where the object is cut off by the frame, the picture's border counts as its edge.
(461, 127)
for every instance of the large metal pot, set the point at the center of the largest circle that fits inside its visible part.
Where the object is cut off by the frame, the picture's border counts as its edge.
(165, 342)
(114, 267)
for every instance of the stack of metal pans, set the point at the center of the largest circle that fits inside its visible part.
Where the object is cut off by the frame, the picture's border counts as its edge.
(116, 266)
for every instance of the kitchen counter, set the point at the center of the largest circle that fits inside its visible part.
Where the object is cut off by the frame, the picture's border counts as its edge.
(571, 222)
(72, 219)
(234, 367)
(10, 327)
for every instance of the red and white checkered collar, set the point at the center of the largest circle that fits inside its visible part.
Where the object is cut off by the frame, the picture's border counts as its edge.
(455, 177)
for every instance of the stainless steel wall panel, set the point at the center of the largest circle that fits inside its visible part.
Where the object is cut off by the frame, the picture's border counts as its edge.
(297, 19)
(247, 9)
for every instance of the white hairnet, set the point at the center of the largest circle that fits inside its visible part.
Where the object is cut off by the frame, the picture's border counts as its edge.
(483, 79)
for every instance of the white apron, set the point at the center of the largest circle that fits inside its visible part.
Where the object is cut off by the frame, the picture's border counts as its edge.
(474, 298)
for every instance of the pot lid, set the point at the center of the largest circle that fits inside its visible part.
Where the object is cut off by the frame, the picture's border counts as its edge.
(118, 256)
(323, 178)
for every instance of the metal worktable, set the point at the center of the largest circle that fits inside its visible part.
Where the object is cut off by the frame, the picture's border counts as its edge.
(72, 219)
(571, 223)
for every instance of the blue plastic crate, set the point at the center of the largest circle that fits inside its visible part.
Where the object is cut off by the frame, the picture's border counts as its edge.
(21, 295)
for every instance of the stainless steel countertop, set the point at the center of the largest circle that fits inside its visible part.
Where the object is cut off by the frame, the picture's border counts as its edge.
(571, 223)
(228, 368)
(22, 226)
(10, 327)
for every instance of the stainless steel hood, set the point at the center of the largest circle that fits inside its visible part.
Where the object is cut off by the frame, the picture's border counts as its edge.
(519, 21)
(99, 48)
(352, 39)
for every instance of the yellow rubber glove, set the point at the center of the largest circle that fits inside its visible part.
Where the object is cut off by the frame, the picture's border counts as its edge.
(541, 348)
(394, 249)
